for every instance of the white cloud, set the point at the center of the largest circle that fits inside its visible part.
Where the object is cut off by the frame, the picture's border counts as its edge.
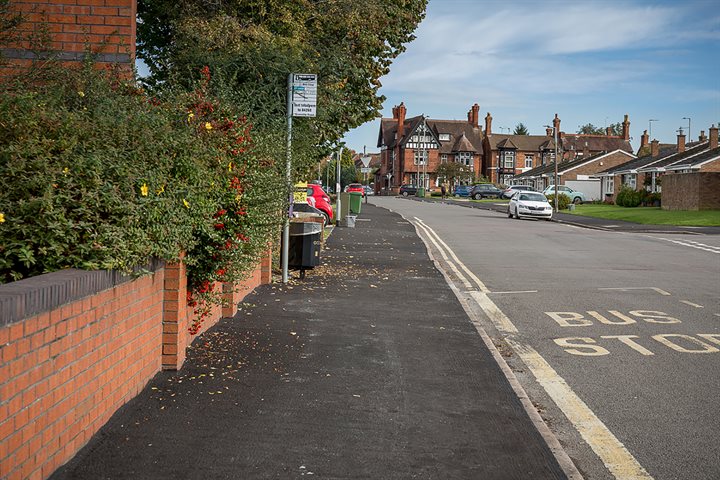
(525, 60)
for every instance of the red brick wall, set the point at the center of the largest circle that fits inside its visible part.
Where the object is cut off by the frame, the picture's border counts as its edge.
(65, 371)
(691, 191)
(106, 26)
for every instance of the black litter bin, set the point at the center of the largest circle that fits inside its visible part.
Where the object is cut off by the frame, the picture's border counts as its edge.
(304, 246)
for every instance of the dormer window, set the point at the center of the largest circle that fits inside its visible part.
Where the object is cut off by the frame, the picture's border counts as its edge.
(444, 137)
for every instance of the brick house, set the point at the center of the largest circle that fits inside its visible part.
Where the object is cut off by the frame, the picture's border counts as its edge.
(583, 168)
(107, 27)
(507, 156)
(411, 149)
(645, 171)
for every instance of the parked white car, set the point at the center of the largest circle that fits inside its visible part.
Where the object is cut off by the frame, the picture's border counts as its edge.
(529, 204)
(575, 196)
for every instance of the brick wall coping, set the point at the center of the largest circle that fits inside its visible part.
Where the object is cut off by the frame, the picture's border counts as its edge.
(15, 53)
(33, 296)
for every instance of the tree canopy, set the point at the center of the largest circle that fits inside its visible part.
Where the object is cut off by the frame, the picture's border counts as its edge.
(521, 129)
(590, 129)
(252, 45)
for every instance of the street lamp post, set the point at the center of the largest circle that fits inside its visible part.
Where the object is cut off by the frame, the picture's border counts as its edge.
(555, 178)
(650, 126)
(689, 131)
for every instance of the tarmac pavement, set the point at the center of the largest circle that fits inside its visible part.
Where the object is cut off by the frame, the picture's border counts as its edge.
(367, 368)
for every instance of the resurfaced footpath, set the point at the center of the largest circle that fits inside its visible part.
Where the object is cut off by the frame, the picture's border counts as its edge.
(368, 368)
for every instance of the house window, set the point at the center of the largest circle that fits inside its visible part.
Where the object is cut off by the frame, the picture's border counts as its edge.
(444, 137)
(443, 158)
(528, 161)
(508, 159)
(465, 158)
(609, 184)
(420, 157)
(506, 179)
(630, 180)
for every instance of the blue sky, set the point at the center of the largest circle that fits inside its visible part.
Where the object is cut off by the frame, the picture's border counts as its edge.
(589, 62)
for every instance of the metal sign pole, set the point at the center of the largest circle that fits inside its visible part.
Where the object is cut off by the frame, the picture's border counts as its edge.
(337, 187)
(288, 166)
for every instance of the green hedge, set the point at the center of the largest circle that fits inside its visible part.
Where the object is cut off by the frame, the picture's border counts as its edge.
(94, 174)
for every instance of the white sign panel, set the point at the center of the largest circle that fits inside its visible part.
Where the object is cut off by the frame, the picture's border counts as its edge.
(304, 94)
(365, 161)
(365, 169)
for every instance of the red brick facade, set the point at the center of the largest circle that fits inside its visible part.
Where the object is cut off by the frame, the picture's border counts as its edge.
(65, 371)
(107, 27)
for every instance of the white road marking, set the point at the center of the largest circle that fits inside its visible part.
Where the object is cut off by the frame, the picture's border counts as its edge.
(516, 291)
(691, 243)
(687, 302)
(480, 284)
(658, 290)
(619, 461)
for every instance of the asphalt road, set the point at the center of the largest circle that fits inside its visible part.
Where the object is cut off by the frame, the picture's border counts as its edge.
(615, 336)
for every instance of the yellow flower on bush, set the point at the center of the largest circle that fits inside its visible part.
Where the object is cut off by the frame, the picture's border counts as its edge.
(144, 190)
(208, 126)
(160, 190)
(186, 203)
(66, 170)
(81, 93)
(2, 217)
(230, 167)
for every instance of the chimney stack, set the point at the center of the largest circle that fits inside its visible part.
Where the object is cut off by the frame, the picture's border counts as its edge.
(608, 131)
(556, 124)
(626, 128)
(644, 139)
(681, 141)
(713, 137)
(474, 115)
(488, 124)
(586, 150)
(655, 148)
(400, 119)
(549, 132)
(702, 136)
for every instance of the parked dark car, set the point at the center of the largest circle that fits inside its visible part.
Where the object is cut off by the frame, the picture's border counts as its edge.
(406, 190)
(485, 190)
(513, 189)
(462, 191)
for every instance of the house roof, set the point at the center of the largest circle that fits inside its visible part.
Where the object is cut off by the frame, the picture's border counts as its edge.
(675, 158)
(526, 143)
(636, 163)
(567, 165)
(463, 144)
(695, 161)
(595, 143)
(463, 136)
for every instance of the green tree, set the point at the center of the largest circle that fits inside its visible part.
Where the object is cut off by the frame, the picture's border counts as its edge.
(521, 129)
(254, 44)
(454, 172)
(590, 129)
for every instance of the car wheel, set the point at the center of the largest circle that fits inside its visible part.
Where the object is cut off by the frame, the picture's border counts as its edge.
(404, 194)
(577, 200)
(477, 196)
(509, 213)
(327, 219)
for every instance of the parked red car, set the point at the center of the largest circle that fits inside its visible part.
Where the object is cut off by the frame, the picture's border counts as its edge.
(322, 201)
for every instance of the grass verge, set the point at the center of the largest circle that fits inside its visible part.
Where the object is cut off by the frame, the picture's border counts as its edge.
(650, 215)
